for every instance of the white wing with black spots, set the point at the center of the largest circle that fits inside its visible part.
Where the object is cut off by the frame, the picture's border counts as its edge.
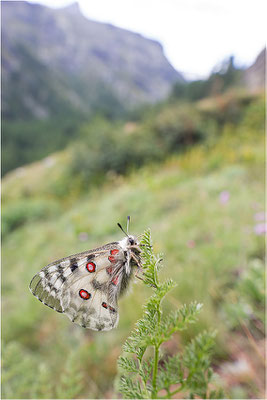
(89, 304)
(85, 286)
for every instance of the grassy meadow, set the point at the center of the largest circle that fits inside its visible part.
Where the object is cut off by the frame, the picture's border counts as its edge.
(204, 206)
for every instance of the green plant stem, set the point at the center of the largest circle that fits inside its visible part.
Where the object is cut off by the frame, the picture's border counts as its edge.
(170, 394)
(155, 369)
(155, 372)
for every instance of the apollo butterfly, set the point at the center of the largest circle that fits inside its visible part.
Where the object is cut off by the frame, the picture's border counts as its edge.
(86, 286)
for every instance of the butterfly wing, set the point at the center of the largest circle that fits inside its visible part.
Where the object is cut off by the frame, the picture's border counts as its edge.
(92, 303)
(84, 286)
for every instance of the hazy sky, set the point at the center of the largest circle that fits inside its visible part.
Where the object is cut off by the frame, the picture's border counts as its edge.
(196, 34)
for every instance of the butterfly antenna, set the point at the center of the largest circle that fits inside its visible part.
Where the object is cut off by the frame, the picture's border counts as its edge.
(128, 224)
(119, 225)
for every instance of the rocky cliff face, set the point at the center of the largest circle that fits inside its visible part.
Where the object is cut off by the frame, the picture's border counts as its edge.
(254, 76)
(58, 58)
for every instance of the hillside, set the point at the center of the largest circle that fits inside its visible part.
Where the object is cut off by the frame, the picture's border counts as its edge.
(56, 58)
(204, 206)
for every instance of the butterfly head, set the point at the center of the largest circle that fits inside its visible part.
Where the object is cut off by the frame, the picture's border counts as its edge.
(129, 241)
(130, 244)
(132, 241)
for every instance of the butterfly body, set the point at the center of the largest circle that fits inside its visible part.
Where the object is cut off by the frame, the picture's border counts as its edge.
(86, 286)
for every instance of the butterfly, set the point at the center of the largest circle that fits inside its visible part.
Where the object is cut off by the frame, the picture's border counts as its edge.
(86, 286)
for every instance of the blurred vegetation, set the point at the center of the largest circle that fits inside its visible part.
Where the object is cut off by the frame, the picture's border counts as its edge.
(59, 122)
(24, 141)
(23, 211)
(225, 76)
(191, 171)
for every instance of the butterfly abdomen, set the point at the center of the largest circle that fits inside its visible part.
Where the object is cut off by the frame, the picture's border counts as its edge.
(125, 282)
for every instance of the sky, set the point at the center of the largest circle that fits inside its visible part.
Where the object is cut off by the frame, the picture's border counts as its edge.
(196, 34)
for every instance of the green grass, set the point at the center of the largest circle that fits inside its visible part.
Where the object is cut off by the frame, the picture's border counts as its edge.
(209, 249)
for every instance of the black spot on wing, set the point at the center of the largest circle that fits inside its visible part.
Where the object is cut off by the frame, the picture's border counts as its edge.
(73, 267)
(73, 264)
(60, 268)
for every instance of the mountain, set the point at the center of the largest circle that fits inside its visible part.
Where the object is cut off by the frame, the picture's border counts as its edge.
(57, 61)
(254, 76)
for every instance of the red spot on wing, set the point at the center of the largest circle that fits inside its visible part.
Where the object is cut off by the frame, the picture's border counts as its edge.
(115, 280)
(90, 267)
(105, 305)
(113, 252)
(109, 270)
(84, 294)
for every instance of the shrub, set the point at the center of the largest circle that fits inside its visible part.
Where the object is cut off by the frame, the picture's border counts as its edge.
(177, 127)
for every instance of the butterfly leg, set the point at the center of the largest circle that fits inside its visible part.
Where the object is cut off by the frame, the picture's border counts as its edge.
(137, 261)
(136, 248)
(139, 277)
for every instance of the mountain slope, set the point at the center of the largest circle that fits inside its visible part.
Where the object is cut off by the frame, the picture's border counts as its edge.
(205, 210)
(82, 60)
